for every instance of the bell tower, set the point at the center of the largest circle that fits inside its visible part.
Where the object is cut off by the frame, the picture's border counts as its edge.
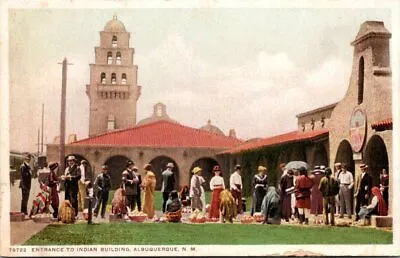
(113, 91)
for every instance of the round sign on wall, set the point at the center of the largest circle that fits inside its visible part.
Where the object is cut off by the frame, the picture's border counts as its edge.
(358, 129)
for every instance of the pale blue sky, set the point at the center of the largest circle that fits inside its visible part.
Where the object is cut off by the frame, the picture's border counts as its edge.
(248, 69)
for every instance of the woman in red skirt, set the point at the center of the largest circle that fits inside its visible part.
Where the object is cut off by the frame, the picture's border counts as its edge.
(303, 192)
(216, 186)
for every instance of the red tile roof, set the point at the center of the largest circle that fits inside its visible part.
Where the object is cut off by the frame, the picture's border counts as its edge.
(162, 134)
(290, 137)
(386, 124)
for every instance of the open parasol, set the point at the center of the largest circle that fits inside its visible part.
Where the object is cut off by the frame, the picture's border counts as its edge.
(296, 165)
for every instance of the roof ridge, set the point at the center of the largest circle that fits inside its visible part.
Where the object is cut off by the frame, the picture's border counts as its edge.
(137, 127)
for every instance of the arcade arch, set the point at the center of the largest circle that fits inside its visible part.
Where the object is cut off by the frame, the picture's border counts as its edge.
(159, 164)
(116, 165)
(376, 157)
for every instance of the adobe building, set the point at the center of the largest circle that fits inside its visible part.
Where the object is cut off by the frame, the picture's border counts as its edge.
(355, 130)
(114, 136)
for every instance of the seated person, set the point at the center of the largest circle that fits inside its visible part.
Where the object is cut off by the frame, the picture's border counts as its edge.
(173, 203)
(41, 202)
(66, 213)
(227, 206)
(376, 207)
(118, 203)
(184, 196)
(271, 207)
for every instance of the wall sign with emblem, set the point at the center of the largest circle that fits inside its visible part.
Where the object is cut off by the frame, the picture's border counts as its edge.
(358, 130)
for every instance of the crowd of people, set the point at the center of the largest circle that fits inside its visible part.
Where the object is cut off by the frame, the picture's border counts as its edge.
(297, 197)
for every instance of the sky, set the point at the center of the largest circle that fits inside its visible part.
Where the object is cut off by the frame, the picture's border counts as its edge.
(252, 70)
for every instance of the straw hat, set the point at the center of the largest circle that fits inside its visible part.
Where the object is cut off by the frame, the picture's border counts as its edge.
(196, 170)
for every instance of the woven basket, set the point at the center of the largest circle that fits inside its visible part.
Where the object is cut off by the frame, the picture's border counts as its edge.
(259, 218)
(42, 220)
(174, 216)
(139, 219)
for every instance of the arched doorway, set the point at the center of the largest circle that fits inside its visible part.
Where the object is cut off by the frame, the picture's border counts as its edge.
(344, 155)
(116, 165)
(320, 156)
(88, 174)
(206, 164)
(159, 164)
(375, 156)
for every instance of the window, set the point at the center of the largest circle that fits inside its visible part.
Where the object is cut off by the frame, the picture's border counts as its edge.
(111, 122)
(113, 78)
(109, 58)
(312, 123)
(361, 81)
(103, 78)
(114, 41)
(118, 58)
(123, 78)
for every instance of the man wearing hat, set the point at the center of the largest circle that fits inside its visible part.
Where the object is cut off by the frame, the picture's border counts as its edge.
(130, 184)
(195, 190)
(235, 183)
(363, 189)
(102, 186)
(168, 184)
(71, 177)
(25, 183)
(346, 185)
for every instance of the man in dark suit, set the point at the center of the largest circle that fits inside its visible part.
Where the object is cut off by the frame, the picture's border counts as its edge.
(363, 189)
(139, 188)
(168, 184)
(71, 176)
(130, 184)
(25, 183)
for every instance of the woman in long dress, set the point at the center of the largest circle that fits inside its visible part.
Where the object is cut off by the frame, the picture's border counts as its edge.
(216, 186)
(260, 184)
(384, 185)
(149, 187)
(303, 192)
(195, 189)
(287, 188)
(52, 183)
(316, 195)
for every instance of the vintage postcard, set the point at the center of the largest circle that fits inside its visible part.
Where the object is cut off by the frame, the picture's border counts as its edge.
(192, 128)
